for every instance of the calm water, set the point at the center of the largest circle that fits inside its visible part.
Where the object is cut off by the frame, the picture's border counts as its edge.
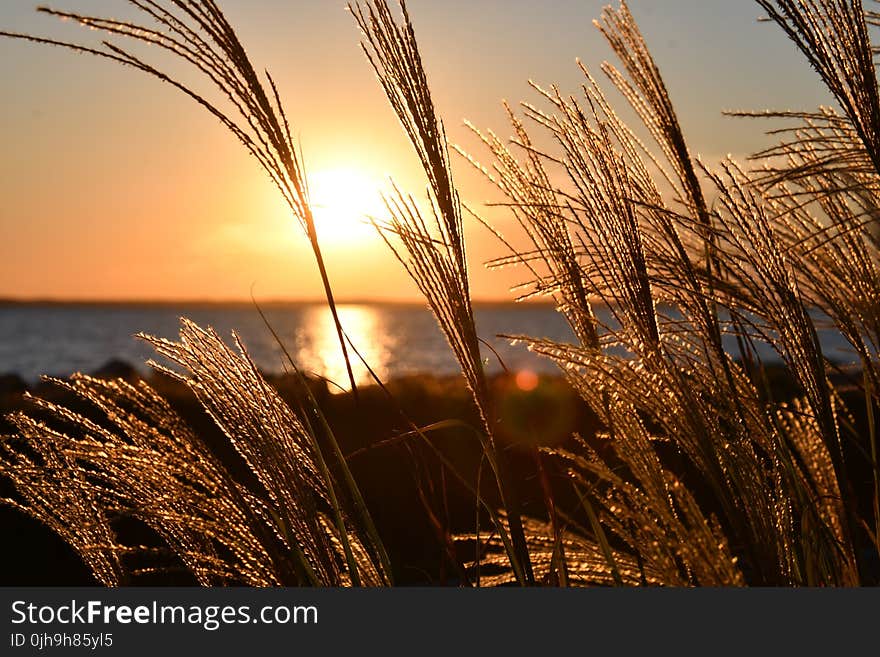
(395, 339)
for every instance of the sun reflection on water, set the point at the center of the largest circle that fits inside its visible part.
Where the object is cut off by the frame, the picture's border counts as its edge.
(318, 349)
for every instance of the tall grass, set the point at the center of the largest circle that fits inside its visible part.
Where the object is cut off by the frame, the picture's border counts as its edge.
(82, 477)
(199, 35)
(697, 475)
(435, 259)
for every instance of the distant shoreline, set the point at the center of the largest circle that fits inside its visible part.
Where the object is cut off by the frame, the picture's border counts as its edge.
(270, 303)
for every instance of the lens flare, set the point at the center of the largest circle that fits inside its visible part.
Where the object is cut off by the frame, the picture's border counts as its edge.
(526, 380)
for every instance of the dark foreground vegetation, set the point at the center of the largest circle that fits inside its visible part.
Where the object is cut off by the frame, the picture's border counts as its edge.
(418, 507)
(660, 457)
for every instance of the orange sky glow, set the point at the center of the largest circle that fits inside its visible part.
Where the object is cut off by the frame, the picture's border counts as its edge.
(117, 187)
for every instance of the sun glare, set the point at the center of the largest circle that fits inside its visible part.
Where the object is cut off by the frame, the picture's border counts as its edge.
(318, 345)
(342, 200)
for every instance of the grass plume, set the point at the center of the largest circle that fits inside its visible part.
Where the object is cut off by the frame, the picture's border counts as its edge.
(198, 33)
(697, 473)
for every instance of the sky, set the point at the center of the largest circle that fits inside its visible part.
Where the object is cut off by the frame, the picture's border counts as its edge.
(115, 186)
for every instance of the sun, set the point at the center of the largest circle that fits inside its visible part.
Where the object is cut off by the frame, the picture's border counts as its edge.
(342, 200)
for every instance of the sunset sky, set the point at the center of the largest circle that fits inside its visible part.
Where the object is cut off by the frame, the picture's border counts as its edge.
(115, 186)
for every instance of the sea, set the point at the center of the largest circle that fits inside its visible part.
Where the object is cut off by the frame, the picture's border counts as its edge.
(397, 340)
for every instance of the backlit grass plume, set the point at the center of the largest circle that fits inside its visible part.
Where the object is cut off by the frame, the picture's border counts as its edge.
(131, 456)
(198, 33)
(677, 275)
(697, 473)
(433, 251)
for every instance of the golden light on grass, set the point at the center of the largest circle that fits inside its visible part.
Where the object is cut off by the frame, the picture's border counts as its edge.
(687, 471)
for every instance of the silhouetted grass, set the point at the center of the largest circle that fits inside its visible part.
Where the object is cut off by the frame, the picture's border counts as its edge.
(696, 471)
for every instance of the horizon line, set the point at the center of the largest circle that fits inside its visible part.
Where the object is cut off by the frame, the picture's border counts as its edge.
(276, 301)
